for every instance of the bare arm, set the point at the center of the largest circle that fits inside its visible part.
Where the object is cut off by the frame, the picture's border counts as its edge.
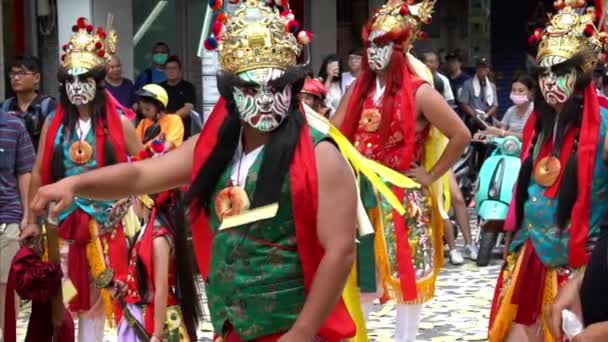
(185, 110)
(338, 118)
(162, 252)
(436, 110)
(133, 144)
(492, 111)
(114, 182)
(467, 109)
(336, 229)
(24, 180)
(36, 177)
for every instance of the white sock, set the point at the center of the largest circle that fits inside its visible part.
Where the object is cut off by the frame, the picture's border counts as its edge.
(407, 320)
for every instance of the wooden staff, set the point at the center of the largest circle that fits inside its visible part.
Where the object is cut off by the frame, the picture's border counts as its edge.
(52, 240)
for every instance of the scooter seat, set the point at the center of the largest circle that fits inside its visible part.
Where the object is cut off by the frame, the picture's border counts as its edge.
(492, 210)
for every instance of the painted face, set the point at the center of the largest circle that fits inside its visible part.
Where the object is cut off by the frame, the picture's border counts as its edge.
(259, 105)
(379, 56)
(81, 91)
(556, 88)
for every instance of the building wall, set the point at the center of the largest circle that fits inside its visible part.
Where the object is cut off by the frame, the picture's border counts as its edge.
(322, 15)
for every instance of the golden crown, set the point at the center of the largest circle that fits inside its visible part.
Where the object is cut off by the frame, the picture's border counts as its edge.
(88, 47)
(403, 19)
(258, 36)
(570, 33)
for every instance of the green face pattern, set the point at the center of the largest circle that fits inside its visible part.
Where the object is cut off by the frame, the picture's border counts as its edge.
(262, 107)
(556, 89)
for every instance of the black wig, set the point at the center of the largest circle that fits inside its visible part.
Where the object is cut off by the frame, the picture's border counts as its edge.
(172, 214)
(70, 118)
(278, 152)
(571, 116)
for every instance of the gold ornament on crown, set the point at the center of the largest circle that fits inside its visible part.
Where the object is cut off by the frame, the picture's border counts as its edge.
(256, 37)
(89, 47)
(404, 16)
(571, 33)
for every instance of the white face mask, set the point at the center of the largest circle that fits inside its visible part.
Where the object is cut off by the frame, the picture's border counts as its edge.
(556, 89)
(262, 107)
(81, 92)
(379, 57)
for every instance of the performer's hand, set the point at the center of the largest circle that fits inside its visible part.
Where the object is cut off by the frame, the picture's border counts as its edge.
(419, 175)
(597, 332)
(62, 193)
(295, 336)
(29, 231)
(567, 299)
(119, 289)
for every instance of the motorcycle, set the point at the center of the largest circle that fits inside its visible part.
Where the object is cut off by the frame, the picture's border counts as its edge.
(496, 181)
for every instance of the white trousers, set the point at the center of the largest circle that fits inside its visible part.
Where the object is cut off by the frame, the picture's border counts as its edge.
(91, 323)
(406, 321)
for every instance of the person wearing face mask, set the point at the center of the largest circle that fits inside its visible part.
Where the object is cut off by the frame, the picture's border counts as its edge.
(274, 249)
(394, 116)
(155, 73)
(89, 130)
(517, 115)
(555, 216)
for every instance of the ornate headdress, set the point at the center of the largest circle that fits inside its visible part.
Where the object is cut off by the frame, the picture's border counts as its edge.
(257, 35)
(401, 20)
(571, 33)
(88, 47)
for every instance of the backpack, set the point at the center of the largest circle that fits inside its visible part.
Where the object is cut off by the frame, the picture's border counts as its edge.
(33, 121)
(196, 123)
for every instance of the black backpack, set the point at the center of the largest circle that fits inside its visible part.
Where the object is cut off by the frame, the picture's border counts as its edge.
(33, 121)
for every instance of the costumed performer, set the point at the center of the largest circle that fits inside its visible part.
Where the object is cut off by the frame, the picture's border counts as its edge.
(395, 117)
(563, 183)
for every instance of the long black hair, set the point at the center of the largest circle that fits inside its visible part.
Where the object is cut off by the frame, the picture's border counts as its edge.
(323, 71)
(172, 214)
(571, 116)
(278, 152)
(70, 118)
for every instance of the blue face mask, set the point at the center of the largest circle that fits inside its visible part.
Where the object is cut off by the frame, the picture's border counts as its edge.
(160, 58)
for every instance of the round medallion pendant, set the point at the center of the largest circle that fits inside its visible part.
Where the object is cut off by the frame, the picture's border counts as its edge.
(81, 152)
(547, 171)
(231, 201)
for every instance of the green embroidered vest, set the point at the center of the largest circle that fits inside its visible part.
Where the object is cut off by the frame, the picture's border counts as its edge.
(256, 282)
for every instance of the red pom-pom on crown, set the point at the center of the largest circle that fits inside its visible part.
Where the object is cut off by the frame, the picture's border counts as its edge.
(305, 37)
(211, 43)
(101, 53)
(292, 26)
(81, 22)
(98, 45)
(158, 146)
(405, 10)
(589, 31)
(75, 28)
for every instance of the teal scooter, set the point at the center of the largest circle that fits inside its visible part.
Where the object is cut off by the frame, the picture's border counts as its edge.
(496, 180)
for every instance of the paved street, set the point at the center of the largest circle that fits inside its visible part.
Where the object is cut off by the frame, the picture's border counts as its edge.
(459, 311)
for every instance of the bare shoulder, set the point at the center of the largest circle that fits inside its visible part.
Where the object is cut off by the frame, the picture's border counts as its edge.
(126, 123)
(332, 168)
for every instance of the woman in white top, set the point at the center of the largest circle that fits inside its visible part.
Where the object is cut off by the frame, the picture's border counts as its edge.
(330, 75)
(516, 117)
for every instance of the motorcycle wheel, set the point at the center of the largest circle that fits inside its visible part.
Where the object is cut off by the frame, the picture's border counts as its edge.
(486, 245)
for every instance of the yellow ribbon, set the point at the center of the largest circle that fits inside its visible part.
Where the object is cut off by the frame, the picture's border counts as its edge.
(377, 173)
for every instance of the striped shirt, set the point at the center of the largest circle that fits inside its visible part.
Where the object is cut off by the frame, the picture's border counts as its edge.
(16, 158)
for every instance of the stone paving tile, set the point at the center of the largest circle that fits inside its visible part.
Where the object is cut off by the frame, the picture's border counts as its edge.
(459, 311)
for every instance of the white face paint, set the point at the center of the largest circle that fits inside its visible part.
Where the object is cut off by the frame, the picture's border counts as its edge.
(81, 92)
(556, 89)
(262, 107)
(379, 56)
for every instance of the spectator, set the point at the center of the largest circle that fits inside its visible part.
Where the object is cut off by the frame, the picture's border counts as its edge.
(354, 64)
(455, 73)
(431, 60)
(121, 88)
(30, 106)
(313, 95)
(517, 115)
(182, 94)
(330, 75)
(478, 94)
(16, 162)
(157, 124)
(156, 73)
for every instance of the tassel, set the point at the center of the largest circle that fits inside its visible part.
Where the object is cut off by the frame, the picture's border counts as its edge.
(221, 17)
(211, 43)
(405, 10)
(292, 26)
(305, 37)
(288, 14)
(217, 28)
